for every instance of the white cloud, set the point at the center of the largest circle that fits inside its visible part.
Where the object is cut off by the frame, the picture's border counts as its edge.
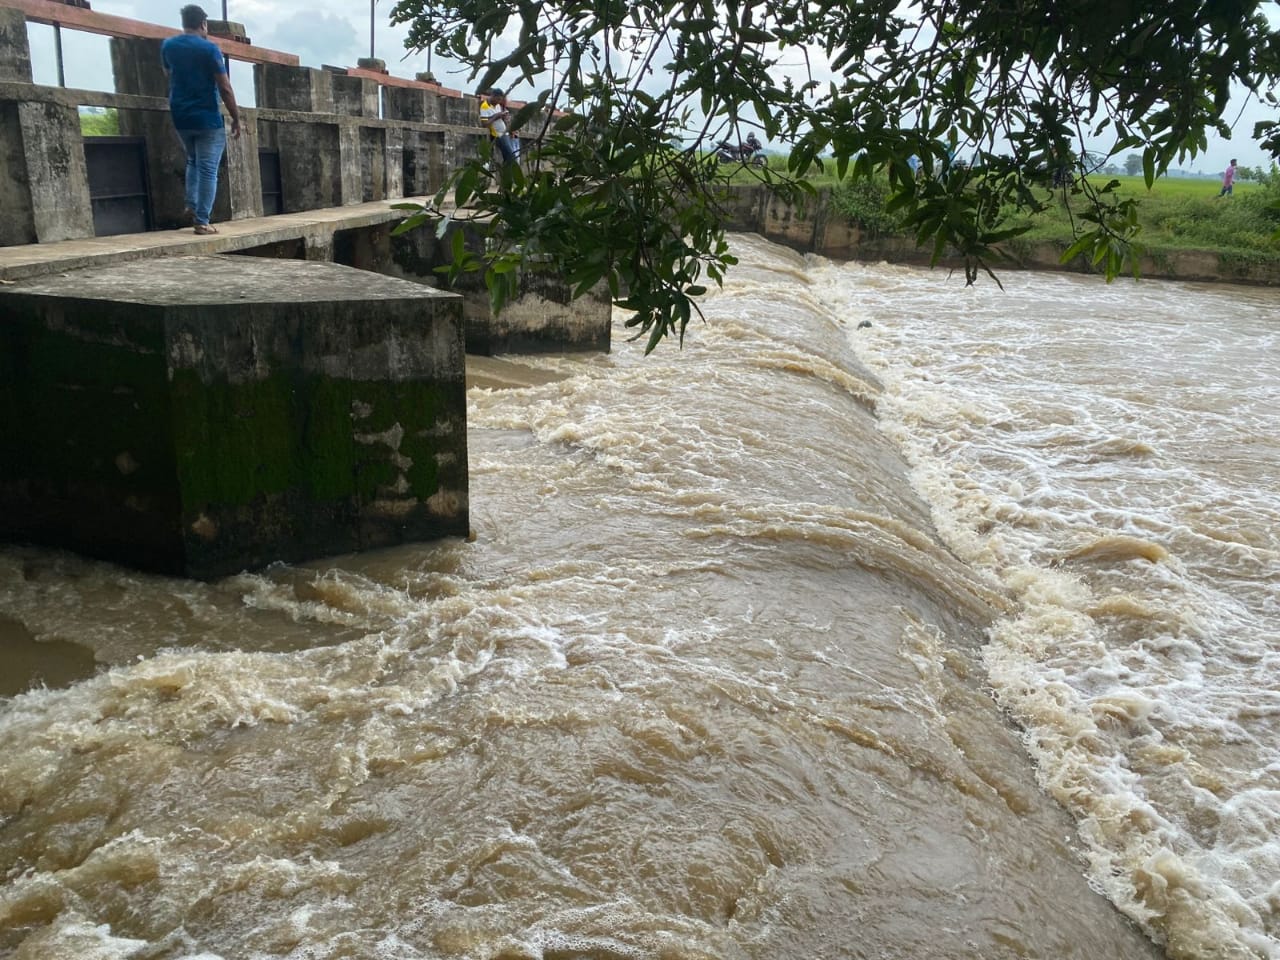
(317, 38)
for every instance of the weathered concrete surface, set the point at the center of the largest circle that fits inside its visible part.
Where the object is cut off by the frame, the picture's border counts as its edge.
(813, 226)
(354, 96)
(461, 111)
(410, 103)
(17, 224)
(50, 164)
(311, 173)
(240, 183)
(308, 231)
(304, 89)
(544, 318)
(137, 68)
(350, 157)
(203, 415)
(422, 162)
(15, 49)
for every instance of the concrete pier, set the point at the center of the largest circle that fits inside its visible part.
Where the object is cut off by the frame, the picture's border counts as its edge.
(199, 416)
(169, 406)
(543, 318)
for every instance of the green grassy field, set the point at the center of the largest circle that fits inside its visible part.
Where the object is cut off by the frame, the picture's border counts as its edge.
(1179, 214)
(1176, 214)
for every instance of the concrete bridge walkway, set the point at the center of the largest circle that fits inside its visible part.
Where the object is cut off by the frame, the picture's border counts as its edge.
(311, 231)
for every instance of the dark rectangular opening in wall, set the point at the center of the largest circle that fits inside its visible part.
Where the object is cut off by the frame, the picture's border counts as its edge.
(118, 189)
(295, 249)
(269, 169)
(365, 248)
(345, 247)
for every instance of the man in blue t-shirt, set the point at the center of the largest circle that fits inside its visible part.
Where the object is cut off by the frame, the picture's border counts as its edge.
(197, 75)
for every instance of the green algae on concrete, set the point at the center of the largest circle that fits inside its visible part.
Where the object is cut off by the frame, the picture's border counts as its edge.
(205, 415)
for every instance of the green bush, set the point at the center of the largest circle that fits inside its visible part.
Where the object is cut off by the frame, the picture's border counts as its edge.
(1177, 214)
(863, 202)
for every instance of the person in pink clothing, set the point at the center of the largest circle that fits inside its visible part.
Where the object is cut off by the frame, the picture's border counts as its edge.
(1228, 179)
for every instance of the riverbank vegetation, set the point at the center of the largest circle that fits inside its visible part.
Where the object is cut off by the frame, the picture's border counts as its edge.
(1173, 215)
(1178, 214)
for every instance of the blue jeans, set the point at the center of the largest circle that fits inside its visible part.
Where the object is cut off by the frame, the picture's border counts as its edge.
(510, 154)
(204, 152)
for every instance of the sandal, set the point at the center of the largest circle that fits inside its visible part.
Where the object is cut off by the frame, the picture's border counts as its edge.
(203, 230)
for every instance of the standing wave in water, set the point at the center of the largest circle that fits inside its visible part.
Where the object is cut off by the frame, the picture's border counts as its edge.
(706, 684)
(1112, 456)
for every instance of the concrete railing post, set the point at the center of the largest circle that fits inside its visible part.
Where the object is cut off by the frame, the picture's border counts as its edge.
(373, 163)
(17, 226)
(15, 48)
(241, 187)
(137, 67)
(349, 167)
(354, 96)
(52, 157)
(412, 104)
(304, 89)
(393, 162)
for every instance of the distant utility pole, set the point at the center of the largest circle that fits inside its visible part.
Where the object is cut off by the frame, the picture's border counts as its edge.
(372, 24)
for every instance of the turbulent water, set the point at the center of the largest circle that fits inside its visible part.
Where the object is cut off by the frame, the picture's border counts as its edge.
(1113, 456)
(941, 637)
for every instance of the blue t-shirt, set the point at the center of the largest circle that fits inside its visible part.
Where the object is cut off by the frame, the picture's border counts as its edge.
(193, 64)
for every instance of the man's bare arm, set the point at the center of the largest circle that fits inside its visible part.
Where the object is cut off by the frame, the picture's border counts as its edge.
(229, 98)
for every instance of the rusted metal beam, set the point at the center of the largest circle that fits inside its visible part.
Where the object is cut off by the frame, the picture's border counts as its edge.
(388, 80)
(105, 24)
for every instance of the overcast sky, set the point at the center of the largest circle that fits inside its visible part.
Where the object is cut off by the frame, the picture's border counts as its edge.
(337, 32)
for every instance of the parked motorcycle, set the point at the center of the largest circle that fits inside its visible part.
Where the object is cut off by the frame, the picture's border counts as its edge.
(727, 152)
(744, 153)
(753, 152)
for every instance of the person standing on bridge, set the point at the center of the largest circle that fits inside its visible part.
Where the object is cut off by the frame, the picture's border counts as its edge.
(494, 116)
(197, 73)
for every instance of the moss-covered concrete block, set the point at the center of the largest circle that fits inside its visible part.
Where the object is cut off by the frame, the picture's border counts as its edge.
(203, 415)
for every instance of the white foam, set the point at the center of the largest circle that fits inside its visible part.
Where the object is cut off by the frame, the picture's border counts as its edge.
(1077, 463)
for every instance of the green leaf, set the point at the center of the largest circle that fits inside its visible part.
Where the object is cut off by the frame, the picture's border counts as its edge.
(1083, 243)
(465, 189)
(409, 223)
(607, 193)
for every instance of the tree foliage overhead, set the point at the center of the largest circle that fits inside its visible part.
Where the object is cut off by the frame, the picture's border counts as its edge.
(992, 96)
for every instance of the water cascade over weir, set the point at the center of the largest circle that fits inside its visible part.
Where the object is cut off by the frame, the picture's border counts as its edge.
(708, 682)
